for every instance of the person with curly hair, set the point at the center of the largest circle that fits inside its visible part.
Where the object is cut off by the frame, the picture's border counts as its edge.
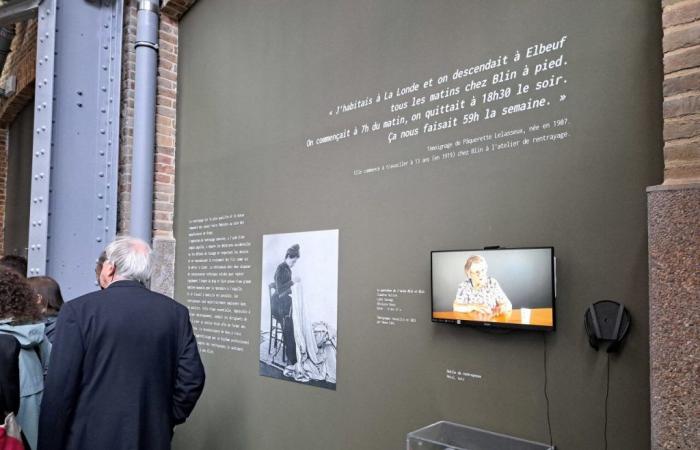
(16, 263)
(21, 318)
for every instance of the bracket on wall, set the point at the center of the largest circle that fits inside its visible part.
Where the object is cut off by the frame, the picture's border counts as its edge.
(8, 86)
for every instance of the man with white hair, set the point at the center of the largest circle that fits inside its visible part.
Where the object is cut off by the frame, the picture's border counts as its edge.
(125, 367)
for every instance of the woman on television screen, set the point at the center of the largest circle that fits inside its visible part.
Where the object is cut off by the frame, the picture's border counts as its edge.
(480, 293)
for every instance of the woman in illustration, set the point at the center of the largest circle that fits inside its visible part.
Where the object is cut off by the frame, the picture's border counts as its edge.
(480, 293)
(282, 303)
(311, 346)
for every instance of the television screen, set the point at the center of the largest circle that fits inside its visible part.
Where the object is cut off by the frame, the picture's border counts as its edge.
(503, 288)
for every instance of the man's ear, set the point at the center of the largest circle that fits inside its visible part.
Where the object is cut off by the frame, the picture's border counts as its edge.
(110, 268)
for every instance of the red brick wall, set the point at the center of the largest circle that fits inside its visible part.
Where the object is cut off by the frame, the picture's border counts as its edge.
(681, 46)
(166, 104)
(21, 62)
(175, 9)
(3, 184)
(126, 119)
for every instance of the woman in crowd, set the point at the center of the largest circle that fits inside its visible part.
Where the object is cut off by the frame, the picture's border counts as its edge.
(50, 299)
(20, 317)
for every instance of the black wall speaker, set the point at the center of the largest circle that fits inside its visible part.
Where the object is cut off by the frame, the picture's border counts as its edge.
(608, 322)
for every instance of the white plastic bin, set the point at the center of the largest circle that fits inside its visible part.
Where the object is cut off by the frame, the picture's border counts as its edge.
(451, 436)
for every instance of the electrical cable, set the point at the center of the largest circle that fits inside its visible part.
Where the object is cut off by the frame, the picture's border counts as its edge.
(607, 393)
(549, 422)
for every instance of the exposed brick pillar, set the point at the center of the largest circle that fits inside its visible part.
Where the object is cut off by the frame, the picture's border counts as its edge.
(164, 189)
(126, 119)
(175, 9)
(166, 104)
(4, 134)
(674, 240)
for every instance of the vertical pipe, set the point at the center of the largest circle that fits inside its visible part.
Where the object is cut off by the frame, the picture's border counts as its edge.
(144, 119)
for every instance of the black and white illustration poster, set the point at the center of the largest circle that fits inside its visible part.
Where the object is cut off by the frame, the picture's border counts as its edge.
(299, 307)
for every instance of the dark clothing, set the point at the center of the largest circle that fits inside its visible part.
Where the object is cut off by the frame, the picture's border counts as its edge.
(50, 323)
(9, 379)
(290, 343)
(283, 280)
(282, 310)
(125, 370)
(283, 289)
(9, 375)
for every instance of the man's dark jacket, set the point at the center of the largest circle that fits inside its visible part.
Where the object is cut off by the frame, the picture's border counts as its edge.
(124, 371)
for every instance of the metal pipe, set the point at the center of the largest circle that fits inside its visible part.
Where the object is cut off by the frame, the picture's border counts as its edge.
(141, 221)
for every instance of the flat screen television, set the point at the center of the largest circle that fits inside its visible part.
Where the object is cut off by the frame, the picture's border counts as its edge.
(497, 288)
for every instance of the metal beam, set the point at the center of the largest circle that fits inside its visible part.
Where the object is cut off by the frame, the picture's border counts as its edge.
(42, 144)
(86, 82)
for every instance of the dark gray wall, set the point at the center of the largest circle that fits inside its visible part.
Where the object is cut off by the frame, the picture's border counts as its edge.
(257, 79)
(19, 176)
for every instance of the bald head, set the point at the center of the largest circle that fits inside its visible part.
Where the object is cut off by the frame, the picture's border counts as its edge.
(130, 258)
